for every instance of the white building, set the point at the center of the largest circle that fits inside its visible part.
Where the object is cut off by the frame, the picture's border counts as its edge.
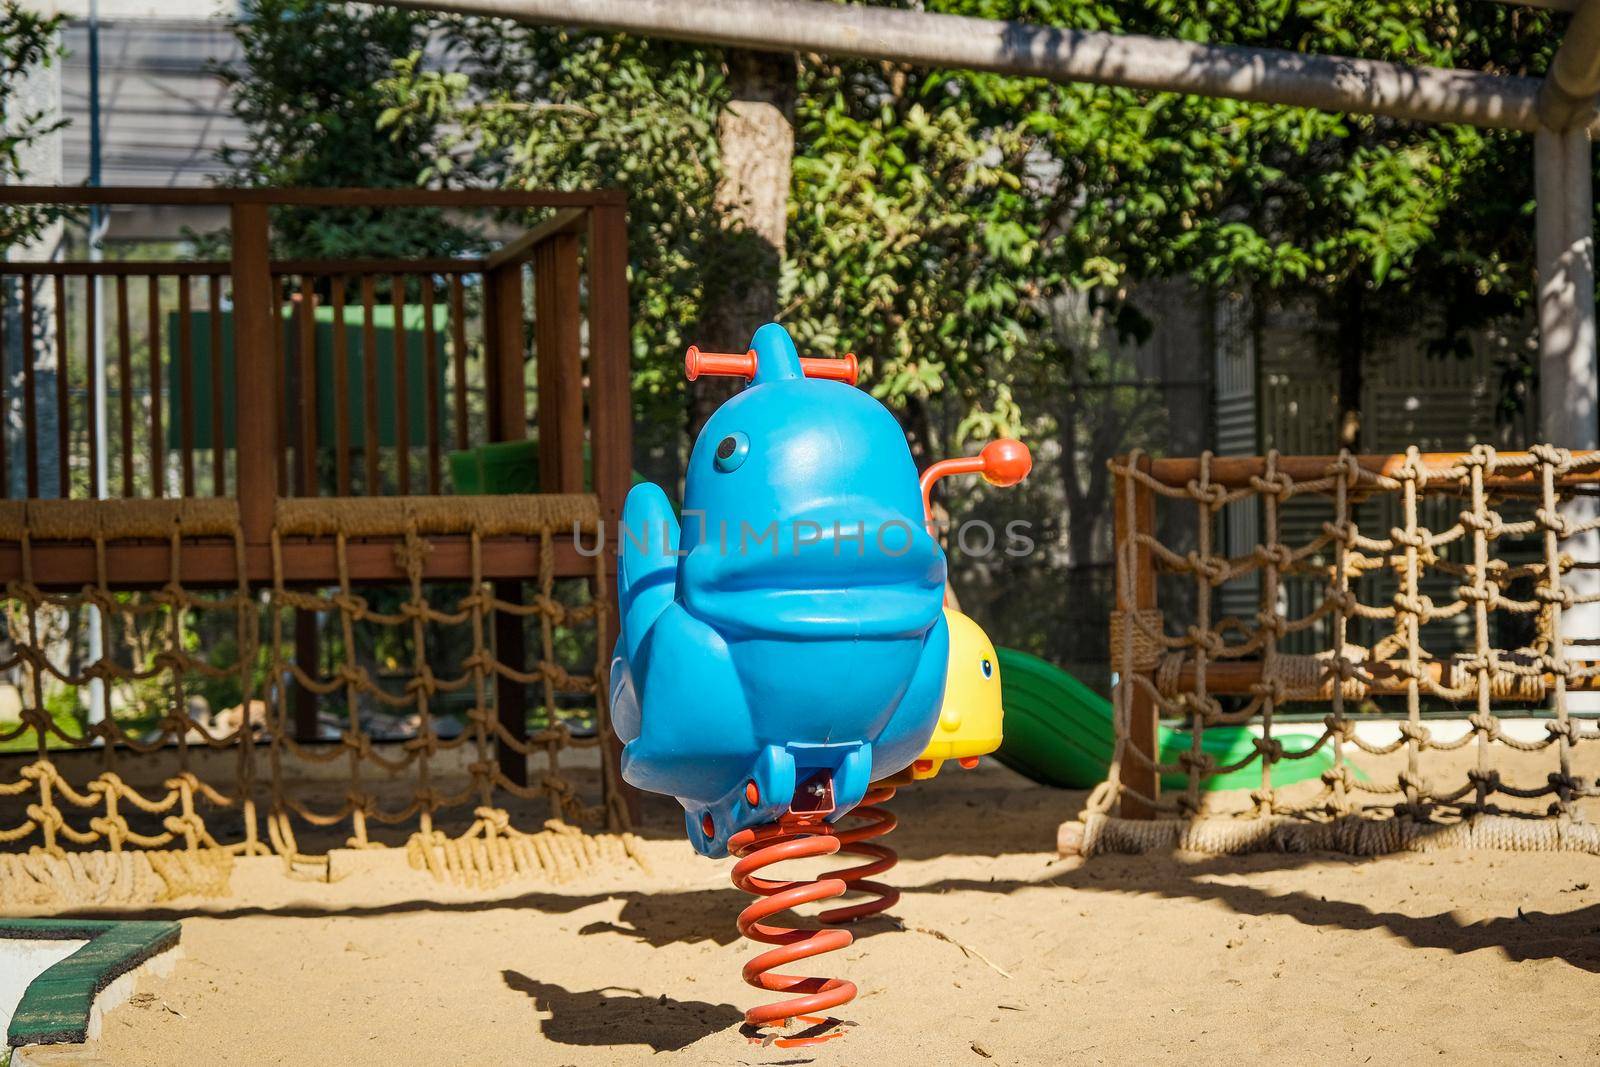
(163, 112)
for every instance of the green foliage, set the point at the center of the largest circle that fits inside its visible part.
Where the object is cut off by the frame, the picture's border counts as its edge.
(935, 214)
(62, 708)
(307, 89)
(28, 43)
(554, 109)
(911, 239)
(1293, 199)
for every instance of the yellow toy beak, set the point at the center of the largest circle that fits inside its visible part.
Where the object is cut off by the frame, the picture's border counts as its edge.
(970, 718)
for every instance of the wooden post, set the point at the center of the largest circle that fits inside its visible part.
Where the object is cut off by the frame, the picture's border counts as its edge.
(504, 349)
(1139, 518)
(503, 352)
(256, 385)
(558, 360)
(610, 401)
(610, 435)
(309, 656)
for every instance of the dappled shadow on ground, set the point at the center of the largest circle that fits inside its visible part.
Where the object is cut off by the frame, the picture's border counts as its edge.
(666, 917)
(1571, 936)
(992, 812)
(615, 1016)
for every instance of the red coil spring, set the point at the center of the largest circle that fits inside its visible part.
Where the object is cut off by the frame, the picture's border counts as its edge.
(857, 841)
(760, 848)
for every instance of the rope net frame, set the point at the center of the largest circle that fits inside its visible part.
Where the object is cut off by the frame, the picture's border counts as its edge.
(279, 786)
(1461, 604)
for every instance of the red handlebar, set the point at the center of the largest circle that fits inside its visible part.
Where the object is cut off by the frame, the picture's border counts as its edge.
(835, 370)
(696, 363)
(743, 365)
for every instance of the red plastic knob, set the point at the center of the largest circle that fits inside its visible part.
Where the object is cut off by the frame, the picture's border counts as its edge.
(1006, 461)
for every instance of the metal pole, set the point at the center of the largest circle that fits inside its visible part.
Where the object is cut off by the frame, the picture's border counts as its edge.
(99, 704)
(1263, 75)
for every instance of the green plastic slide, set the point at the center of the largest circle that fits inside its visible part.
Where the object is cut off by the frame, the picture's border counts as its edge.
(1058, 732)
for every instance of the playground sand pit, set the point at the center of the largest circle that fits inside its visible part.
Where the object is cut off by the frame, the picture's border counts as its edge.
(1001, 953)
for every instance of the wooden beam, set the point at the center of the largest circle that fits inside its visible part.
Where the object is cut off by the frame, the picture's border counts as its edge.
(558, 361)
(610, 349)
(194, 268)
(255, 328)
(610, 439)
(520, 250)
(1383, 678)
(433, 265)
(504, 351)
(1234, 472)
(1133, 518)
(204, 196)
(211, 562)
(937, 40)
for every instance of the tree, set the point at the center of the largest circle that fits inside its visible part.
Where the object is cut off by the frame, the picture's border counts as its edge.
(307, 92)
(934, 213)
(547, 108)
(939, 220)
(1336, 209)
(28, 43)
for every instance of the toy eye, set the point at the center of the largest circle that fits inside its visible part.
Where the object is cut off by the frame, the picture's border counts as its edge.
(987, 668)
(731, 451)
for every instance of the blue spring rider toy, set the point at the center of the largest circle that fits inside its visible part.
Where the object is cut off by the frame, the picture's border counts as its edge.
(785, 647)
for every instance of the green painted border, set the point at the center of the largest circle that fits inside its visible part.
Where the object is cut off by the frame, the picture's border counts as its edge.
(55, 1007)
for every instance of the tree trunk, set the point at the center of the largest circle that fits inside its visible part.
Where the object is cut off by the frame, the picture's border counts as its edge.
(755, 139)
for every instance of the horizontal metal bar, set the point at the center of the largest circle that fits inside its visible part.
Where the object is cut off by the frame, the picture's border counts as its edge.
(1262, 75)
(210, 196)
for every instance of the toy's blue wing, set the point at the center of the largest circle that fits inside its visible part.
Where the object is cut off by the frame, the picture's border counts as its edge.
(648, 564)
(695, 737)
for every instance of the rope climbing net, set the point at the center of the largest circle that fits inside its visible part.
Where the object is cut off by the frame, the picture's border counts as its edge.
(413, 734)
(1445, 593)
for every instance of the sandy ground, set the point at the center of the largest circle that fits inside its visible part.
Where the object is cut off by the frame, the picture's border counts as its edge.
(1002, 954)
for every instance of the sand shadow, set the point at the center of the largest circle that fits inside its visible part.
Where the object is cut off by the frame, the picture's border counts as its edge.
(658, 919)
(616, 1016)
(1572, 937)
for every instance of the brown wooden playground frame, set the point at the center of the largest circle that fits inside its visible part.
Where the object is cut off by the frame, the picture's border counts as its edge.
(583, 242)
(1134, 514)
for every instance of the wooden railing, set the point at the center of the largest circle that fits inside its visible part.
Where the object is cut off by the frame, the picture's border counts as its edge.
(261, 378)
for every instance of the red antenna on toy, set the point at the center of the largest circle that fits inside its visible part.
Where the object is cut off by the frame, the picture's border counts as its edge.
(1002, 462)
(743, 365)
